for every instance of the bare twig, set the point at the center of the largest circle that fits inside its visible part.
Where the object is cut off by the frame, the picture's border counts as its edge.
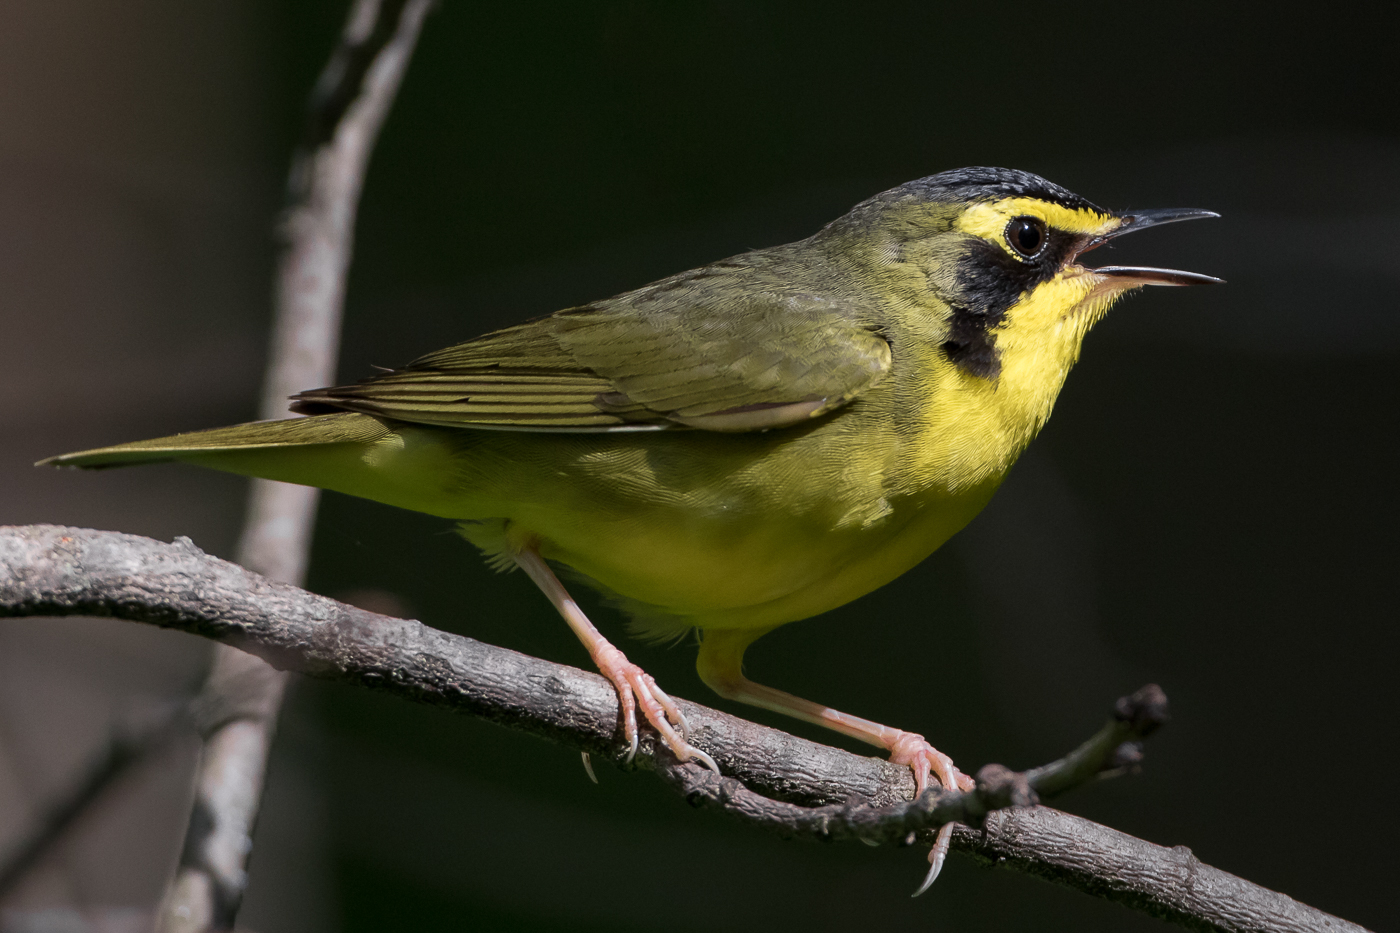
(127, 748)
(47, 570)
(347, 109)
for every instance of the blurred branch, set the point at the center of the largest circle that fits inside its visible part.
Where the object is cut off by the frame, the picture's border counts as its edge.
(346, 111)
(48, 570)
(127, 748)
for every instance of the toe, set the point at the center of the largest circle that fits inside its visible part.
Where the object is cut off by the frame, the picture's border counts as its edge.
(909, 748)
(657, 713)
(936, 857)
(948, 774)
(636, 688)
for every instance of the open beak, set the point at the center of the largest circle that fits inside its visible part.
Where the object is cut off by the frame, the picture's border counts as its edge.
(1117, 277)
(1132, 276)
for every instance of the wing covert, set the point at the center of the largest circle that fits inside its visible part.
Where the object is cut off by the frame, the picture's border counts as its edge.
(639, 361)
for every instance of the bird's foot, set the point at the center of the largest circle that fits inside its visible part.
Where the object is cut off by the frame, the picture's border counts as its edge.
(909, 748)
(636, 687)
(913, 750)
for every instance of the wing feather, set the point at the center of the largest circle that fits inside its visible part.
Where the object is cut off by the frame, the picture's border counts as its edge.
(746, 357)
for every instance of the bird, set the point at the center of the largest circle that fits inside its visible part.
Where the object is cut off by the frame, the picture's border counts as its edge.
(739, 446)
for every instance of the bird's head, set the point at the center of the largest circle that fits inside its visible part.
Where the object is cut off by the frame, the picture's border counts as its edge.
(998, 251)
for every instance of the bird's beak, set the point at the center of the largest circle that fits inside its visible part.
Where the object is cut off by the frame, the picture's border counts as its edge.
(1121, 277)
(1133, 276)
(1141, 220)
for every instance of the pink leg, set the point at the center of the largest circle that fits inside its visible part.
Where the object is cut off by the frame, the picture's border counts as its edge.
(633, 684)
(721, 667)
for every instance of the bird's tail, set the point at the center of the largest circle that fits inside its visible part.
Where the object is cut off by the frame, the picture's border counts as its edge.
(231, 442)
(359, 455)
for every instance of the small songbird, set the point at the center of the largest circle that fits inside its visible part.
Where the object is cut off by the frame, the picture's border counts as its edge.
(739, 446)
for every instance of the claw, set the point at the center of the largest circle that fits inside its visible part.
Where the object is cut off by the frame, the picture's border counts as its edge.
(673, 712)
(909, 748)
(588, 766)
(703, 758)
(637, 688)
(936, 857)
(664, 716)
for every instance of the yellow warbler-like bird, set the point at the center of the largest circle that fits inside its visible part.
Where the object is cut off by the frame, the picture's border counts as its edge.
(738, 446)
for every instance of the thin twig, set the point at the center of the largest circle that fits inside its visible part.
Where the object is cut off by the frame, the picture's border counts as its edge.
(346, 112)
(127, 748)
(48, 570)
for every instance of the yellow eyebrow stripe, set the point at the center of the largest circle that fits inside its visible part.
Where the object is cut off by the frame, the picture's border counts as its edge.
(989, 220)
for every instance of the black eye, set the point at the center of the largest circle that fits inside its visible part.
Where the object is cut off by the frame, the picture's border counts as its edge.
(1027, 235)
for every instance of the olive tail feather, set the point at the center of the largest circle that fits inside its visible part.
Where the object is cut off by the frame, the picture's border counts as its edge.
(258, 435)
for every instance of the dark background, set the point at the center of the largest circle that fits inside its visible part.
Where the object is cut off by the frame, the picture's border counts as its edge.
(1211, 508)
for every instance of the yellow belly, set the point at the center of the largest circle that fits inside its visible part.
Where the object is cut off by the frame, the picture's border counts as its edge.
(696, 528)
(689, 528)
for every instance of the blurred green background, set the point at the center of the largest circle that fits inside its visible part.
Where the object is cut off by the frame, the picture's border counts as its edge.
(1211, 508)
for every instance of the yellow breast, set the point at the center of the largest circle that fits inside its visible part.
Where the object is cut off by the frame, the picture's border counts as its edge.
(971, 429)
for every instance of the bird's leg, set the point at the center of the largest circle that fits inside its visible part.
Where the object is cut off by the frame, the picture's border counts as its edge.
(634, 685)
(721, 667)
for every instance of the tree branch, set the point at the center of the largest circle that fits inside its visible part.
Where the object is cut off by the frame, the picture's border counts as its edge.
(1108, 752)
(347, 109)
(48, 570)
(128, 746)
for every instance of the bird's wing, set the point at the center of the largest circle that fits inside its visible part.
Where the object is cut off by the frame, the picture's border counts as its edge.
(762, 360)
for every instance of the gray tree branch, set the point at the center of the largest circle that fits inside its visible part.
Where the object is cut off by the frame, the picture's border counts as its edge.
(771, 778)
(347, 109)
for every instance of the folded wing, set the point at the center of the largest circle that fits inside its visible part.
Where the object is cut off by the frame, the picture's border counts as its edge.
(654, 359)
